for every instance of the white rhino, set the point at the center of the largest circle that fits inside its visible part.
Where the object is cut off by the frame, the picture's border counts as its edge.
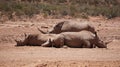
(66, 26)
(34, 39)
(80, 39)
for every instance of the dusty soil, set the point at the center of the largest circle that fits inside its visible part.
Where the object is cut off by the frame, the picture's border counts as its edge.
(36, 56)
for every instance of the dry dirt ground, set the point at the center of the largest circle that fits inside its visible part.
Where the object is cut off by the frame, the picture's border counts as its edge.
(36, 56)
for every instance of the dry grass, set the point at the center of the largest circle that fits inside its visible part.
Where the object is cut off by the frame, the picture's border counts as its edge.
(60, 8)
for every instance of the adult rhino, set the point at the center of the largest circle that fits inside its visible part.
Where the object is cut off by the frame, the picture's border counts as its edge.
(33, 39)
(66, 26)
(80, 39)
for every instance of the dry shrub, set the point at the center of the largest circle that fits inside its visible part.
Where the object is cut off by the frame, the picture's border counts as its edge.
(60, 8)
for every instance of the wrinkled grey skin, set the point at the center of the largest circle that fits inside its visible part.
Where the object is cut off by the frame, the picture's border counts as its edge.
(67, 26)
(34, 39)
(82, 39)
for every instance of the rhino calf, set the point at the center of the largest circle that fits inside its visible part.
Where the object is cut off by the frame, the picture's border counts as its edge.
(80, 39)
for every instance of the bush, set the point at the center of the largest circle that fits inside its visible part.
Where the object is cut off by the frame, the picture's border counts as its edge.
(60, 8)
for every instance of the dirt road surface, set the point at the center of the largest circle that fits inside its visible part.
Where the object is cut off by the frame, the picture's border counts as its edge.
(37, 56)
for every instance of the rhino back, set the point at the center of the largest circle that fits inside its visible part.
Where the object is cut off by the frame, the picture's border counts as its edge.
(76, 26)
(38, 39)
(79, 35)
(76, 39)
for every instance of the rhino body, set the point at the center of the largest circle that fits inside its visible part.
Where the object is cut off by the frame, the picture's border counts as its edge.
(34, 39)
(67, 26)
(82, 39)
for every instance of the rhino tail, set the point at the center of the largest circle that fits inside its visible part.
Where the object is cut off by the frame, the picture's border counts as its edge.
(42, 31)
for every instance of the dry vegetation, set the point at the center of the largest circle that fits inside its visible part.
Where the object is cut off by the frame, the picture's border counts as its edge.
(12, 9)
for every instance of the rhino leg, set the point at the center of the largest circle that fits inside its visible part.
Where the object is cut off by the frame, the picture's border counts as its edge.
(47, 43)
(86, 44)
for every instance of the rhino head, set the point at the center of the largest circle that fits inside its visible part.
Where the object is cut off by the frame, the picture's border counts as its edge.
(57, 28)
(101, 44)
(20, 43)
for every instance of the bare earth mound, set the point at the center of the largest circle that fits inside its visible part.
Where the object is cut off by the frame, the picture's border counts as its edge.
(36, 56)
